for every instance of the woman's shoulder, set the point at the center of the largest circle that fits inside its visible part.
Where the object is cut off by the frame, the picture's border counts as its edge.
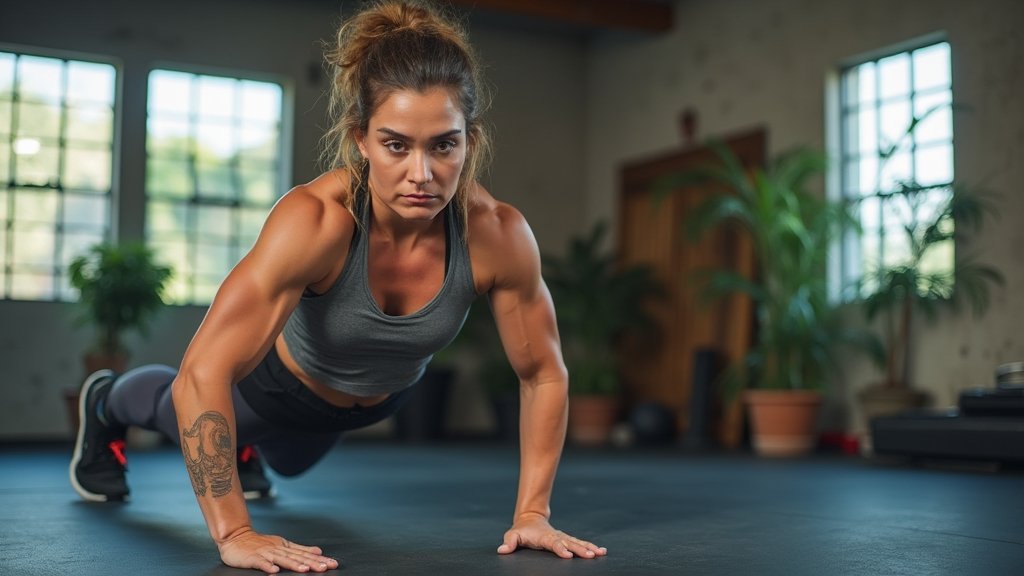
(332, 188)
(316, 210)
(490, 217)
(324, 199)
(500, 239)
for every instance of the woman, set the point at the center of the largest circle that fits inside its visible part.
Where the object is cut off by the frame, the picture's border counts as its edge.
(356, 280)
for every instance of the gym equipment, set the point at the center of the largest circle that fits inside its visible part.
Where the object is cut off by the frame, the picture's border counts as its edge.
(706, 365)
(1010, 375)
(988, 424)
(652, 423)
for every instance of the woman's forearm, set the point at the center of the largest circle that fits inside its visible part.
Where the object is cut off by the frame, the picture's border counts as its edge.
(207, 423)
(542, 435)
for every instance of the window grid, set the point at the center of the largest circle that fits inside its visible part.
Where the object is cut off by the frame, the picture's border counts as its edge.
(872, 248)
(28, 272)
(201, 256)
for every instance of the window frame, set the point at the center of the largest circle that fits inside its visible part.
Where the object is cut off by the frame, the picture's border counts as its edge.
(59, 293)
(282, 159)
(846, 261)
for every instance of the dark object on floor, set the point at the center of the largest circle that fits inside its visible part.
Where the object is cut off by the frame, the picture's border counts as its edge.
(423, 417)
(988, 425)
(706, 366)
(652, 423)
(506, 415)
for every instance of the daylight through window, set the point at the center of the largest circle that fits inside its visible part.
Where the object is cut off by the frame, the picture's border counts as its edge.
(896, 135)
(213, 170)
(56, 169)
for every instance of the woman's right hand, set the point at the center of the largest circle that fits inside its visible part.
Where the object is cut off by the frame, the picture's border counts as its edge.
(270, 554)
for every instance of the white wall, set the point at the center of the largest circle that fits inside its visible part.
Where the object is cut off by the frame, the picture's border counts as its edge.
(745, 63)
(538, 120)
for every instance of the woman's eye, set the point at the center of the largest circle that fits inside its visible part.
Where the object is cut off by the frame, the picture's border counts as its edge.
(445, 146)
(394, 146)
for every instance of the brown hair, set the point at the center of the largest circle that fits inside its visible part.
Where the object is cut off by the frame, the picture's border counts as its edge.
(402, 45)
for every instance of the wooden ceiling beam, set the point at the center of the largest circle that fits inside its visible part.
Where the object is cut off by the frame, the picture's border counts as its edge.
(637, 15)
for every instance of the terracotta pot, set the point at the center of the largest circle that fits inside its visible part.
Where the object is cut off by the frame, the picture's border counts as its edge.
(881, 400)
(783, 421)
(591, 418)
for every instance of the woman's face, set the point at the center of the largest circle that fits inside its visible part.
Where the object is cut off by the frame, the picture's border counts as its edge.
(416, 146)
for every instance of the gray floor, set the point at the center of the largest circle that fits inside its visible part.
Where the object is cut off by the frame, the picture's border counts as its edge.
(441, 510)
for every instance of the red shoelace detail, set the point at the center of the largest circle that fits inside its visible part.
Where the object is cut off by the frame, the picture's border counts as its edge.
(247, 453)
(117, 447)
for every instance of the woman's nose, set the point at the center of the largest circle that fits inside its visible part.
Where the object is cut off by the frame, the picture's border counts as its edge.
(420, 172)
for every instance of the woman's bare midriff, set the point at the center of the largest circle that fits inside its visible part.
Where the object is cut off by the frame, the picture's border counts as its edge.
(332, 396)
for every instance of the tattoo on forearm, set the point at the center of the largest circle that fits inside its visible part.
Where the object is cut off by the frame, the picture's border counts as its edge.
(209, 454)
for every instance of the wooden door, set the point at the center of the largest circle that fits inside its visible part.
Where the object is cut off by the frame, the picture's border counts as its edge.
(652, 233)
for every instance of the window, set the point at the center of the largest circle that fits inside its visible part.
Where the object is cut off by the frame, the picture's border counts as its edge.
(213, 171)
(57, 119)
(879, 100)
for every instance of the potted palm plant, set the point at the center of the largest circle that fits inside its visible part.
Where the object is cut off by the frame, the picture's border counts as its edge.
(919, 283)
(120, 289)
(798, 328)
(929, 276)
(597, 303)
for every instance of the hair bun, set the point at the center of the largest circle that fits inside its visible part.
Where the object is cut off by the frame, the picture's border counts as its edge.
(397, 17)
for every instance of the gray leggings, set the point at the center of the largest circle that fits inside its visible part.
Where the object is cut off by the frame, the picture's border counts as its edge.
(292, 427)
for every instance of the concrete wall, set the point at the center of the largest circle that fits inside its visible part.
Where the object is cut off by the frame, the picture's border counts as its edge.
(745, 63)
(537, 80)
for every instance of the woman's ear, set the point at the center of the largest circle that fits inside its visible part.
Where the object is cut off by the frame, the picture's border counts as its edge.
(360, 138)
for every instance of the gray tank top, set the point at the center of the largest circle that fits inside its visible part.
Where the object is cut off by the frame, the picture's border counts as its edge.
(345, 341)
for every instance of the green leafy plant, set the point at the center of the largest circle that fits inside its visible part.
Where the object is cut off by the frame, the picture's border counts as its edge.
(121, 288)
(798, 328)
(922, 280)
(597, 303)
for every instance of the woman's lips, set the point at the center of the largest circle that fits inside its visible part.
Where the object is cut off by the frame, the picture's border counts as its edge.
(420, 198)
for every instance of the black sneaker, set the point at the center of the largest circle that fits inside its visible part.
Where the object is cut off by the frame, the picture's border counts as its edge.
(98, 463)
(255, 484)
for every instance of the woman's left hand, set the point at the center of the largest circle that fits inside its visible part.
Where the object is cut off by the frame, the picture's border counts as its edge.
(535, 532)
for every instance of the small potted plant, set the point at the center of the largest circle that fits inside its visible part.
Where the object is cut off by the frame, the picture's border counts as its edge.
(120, 289)
(597, 303)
